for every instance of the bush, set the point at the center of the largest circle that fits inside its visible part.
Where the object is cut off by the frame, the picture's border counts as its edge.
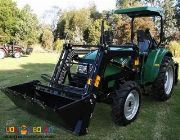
(174, 47)
(58, 45)
(37, 48)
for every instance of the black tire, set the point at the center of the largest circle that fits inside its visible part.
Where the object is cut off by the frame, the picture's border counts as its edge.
(29, 51)
(2, 54)
(120, 101)
(159, 91)
(17, 55)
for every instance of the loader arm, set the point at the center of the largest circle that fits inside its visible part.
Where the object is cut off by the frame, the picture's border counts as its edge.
(63, 104)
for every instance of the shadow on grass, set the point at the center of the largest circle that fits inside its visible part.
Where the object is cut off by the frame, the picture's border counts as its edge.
(27, 72)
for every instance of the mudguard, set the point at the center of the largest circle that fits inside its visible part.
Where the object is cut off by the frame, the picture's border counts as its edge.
(153, 63)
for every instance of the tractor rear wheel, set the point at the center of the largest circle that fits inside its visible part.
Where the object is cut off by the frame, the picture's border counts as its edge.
(126, 103)
(2, 54)
(163, 86)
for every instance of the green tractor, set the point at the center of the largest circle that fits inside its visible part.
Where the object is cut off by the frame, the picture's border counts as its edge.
(115, 74)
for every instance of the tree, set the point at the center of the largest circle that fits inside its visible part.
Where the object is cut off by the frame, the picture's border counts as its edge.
(50, 16)
(58, 45)
(20, 26)
(177, 13)
(28, 26)
(94, 32)
(169, 19)
(168, 6)
(153, 3)
(47, 38)
(72, 25)
(8, 20)
(94, 13)
(127, 3)
(177, 16)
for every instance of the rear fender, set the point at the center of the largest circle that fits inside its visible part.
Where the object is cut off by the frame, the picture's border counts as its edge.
(153, 63)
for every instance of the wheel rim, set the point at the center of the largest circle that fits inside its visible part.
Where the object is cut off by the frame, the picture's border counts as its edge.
(1, 54)
(168, 80)
(17, 55)
(131, 105)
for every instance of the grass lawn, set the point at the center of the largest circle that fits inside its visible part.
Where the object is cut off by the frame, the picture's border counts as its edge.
(156, 120)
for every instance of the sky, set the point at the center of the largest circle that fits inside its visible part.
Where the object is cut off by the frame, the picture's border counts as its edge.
(40, 7)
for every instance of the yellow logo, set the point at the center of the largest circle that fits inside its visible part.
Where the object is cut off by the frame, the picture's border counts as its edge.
(37, 129)
(10, 129)
(23, 130)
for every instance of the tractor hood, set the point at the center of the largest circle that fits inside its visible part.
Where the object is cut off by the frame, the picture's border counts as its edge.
(110, 69)
(93, 54)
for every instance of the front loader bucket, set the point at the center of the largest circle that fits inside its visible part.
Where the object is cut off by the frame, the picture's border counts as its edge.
(71, 114)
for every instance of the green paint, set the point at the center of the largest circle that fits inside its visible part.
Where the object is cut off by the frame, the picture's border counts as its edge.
(152, 64)
(111, 69)
(140, 11)
(150, 68)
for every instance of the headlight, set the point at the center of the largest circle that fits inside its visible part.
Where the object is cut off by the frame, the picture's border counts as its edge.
(82, 69)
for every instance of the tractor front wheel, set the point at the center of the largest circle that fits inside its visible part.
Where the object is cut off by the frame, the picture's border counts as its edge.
(17, 55)
(126, 103)
(163, 86)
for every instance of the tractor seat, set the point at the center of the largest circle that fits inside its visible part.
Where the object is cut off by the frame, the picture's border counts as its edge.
(143, 42)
